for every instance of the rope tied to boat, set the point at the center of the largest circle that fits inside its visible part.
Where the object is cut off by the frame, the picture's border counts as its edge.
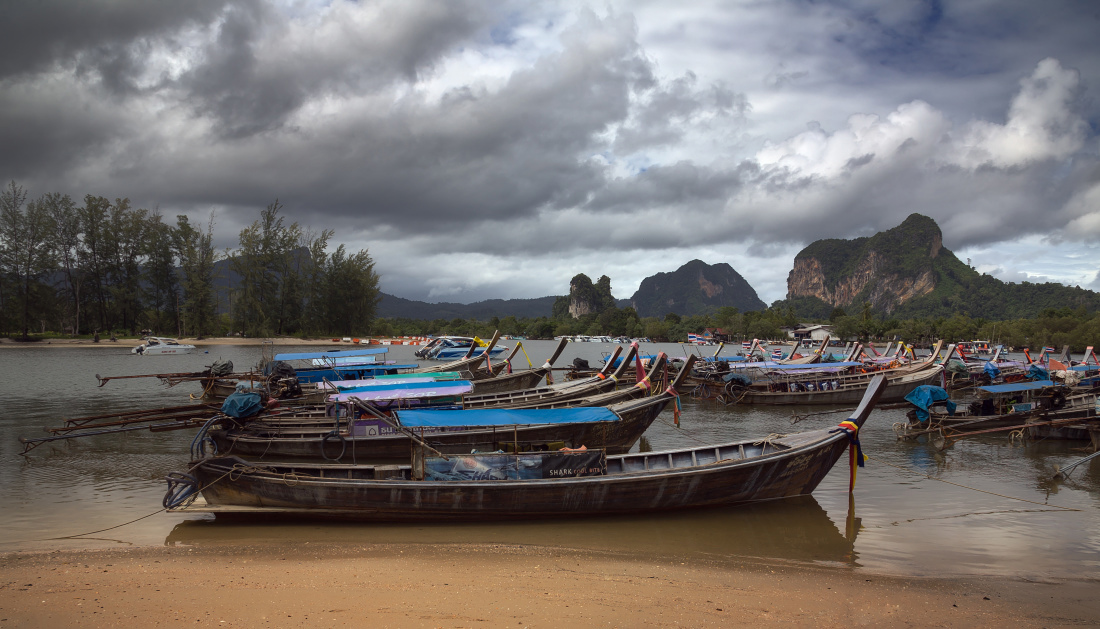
(855, 450)
(530, 365)
(767, 441)
(676, 408)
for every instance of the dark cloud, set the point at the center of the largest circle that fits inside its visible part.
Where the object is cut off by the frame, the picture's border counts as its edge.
(668, 188)
(42, 34)
(495, 134)
(260, 69)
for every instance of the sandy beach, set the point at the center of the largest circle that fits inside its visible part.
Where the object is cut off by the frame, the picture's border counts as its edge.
(363, 585)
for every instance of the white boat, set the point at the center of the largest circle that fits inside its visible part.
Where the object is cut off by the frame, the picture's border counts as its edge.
(157, 345)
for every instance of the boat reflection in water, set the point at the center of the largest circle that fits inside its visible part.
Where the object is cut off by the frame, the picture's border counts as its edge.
(796, 530)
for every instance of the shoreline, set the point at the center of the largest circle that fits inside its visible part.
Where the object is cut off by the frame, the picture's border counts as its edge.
(461, 585)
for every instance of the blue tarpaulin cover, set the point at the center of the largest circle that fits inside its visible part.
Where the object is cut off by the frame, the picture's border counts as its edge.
(1017, 386)
(1035, 372)
(991, 369)
(242, 404)
(925, 396)
(619, 360)
(506, 417)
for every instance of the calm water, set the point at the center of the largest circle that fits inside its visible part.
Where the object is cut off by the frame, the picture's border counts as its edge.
(897, 522)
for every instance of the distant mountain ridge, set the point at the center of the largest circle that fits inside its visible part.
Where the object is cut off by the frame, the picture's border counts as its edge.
(391, 306)
(693, 289)
(906, 272)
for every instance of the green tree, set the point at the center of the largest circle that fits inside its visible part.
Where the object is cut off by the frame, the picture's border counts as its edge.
(27, 253)
(195, 250)
(315, 283)
(352, 292)
(93, 227)
(268, 263)
(160, 273)
(69, 248)
(124, 245)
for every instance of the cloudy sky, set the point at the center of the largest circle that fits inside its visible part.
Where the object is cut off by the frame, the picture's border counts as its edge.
(495, 149)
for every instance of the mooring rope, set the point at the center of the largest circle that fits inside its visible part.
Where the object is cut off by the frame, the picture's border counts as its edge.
(984, 491)
(46, 539)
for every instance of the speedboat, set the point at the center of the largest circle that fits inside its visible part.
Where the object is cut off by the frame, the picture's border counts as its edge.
(454, 348)
(157, 345)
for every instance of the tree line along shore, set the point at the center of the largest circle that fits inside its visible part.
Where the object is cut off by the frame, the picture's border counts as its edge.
(71, 271)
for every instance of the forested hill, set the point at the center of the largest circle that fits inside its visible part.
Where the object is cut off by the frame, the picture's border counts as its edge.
(693, 289)
(906, 272)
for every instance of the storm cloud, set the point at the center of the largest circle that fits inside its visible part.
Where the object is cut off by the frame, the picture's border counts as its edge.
(484, 150)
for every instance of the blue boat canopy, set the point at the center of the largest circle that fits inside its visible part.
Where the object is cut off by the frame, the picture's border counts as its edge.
(1017, 386)
(376, 385)
(506, 416)
(333, 354)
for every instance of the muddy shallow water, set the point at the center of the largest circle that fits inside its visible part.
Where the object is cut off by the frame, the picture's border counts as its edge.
(898, 521)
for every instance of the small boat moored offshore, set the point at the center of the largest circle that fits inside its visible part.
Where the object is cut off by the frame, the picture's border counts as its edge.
(455, 347)
(159, 345)
(499, 486)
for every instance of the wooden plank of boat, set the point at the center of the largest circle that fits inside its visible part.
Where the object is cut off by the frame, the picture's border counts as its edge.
(695, 477)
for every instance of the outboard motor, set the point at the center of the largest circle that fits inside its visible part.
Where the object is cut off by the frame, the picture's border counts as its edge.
(580, 364)
(284, 379)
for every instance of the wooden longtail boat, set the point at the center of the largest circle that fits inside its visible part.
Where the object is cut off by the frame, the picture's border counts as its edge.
(546, 485)
(848, 390)
(647, 386)
(520, 380)
(368, 439)
(821, 386)
(602, 381)
(1046, 410)
(320, 419)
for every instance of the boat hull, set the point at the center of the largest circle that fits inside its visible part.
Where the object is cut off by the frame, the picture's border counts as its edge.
(780, 475)
(895, 390)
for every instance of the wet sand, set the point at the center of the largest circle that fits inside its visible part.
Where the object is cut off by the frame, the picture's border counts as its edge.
(408, 585)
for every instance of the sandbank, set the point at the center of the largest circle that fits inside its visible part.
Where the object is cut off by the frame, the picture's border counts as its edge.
(489, 585)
